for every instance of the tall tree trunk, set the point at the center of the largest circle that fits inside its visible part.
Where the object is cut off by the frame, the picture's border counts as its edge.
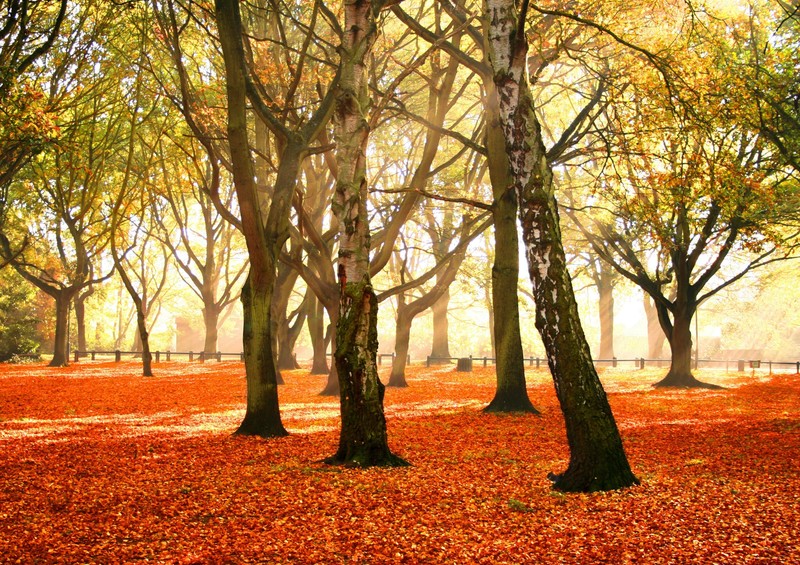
(402, 337)
(511, 394)
(80, 317)
(211, 312)
(264, 237)
(60, 345)
(655, 335)
(363, 439)
(316, 330)
(440, 346)
(597, 456)
(605, 290)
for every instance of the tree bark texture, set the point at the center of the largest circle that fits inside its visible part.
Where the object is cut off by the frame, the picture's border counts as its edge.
(363, 440)
(597, 457)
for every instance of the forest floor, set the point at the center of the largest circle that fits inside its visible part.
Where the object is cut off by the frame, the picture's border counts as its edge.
(101, 465)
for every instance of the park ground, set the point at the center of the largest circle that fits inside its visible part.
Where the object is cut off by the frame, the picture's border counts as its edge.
(101, 465)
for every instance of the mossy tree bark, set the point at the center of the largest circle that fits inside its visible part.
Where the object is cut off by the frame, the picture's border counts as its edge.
(597, 457)
(363, 439)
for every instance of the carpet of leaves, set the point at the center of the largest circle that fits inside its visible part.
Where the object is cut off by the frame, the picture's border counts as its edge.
(101, 465)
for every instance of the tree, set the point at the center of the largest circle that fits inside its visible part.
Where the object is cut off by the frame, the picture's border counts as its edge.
(697, 199)
(18, 332)
(59, 221)
(204, 245)
(445, 272)
(363, 439)
(597, 457)
(28, 31)
(265, 225)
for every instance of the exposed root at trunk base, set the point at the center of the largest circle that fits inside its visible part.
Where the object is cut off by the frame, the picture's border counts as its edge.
(368, 458)
(509, 404)
(259, 427)
(397, 382)
(685, 380)
(570, 481)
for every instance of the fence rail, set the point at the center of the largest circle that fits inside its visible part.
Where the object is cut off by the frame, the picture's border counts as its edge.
(537, 362)
(158, 355)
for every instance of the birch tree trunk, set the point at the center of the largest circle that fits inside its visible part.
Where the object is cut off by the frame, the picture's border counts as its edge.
(597, 458)
(363, 441)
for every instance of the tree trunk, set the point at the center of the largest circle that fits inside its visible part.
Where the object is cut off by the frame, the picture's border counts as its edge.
(680, 343)
(440, 346)
(605, 290)
(211, 313)
(332, 383)
(511, 394)
(60, 345)
(316, 329)
(402, 337)
(597, 458)
(265, 237)
(655, 335)
(262, 417)
(80, 320)
(363, 440)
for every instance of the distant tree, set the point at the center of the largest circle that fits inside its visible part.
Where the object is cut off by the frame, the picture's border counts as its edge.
(693, 198)
(58, 234)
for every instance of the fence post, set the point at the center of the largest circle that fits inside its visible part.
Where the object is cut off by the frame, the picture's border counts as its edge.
(641, 362)
(770, 367)
(798, 367)
(537, 362)
(191, 356)
(428, 361)
(117, 356)
(613, 361)
(219, 356)
(92, 355)
(168, 355)
(77, 355)
(158, 356)
(484, 361)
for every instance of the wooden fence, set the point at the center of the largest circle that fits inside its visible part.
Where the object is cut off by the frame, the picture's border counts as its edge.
(464, 363)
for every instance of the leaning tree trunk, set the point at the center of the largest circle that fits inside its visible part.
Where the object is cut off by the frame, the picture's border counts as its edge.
(597, 457)
(363, 439)
(511, 394)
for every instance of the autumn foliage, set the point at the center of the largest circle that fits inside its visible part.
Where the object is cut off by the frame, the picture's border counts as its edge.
(98, 464)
